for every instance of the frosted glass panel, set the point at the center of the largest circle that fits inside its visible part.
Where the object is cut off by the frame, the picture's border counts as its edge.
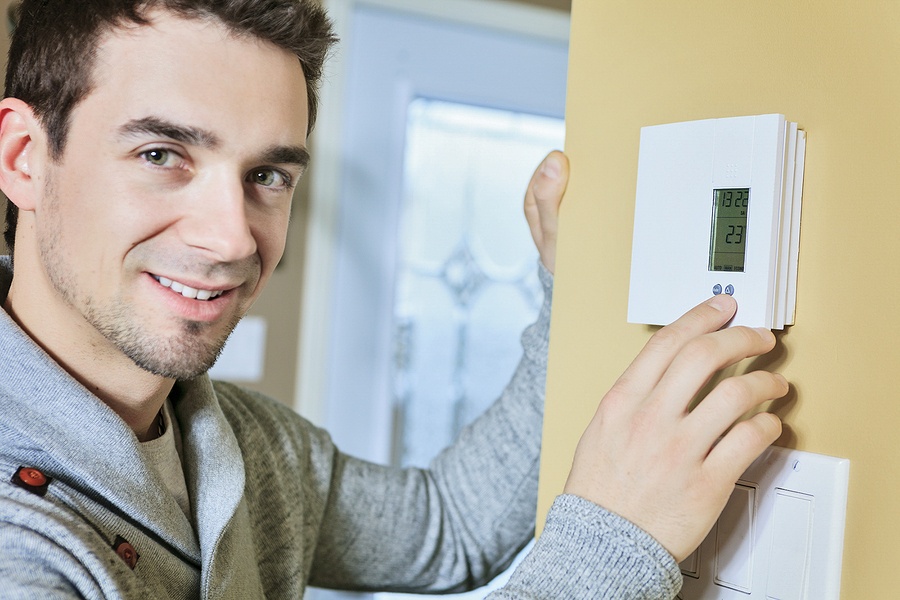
(467, 282)
(467, 270)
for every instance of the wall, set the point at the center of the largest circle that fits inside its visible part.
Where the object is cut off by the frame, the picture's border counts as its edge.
(832, 66)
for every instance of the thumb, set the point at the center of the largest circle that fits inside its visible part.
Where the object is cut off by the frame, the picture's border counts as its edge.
(542, 199)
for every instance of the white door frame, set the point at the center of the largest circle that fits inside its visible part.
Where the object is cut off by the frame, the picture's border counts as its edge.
(325, 173)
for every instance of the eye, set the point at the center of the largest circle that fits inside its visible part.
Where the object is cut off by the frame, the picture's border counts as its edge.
(269, 178)
(160, 157)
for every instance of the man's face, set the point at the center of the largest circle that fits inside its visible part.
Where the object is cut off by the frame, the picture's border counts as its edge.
(168, 211)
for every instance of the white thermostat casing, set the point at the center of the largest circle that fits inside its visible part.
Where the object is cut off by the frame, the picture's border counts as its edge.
(717, 210)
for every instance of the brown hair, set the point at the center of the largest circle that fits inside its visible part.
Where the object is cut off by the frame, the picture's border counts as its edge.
(54, 44)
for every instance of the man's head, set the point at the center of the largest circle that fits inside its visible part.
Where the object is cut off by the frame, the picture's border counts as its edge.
(152, 215)
(53, 50)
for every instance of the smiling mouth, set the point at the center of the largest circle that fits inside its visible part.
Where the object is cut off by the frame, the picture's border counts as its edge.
(187, 291)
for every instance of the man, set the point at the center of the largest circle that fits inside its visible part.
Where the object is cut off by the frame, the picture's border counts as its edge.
(149, 150)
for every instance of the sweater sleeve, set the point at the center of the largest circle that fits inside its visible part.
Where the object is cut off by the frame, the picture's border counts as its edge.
(459, 523)
(586, 552)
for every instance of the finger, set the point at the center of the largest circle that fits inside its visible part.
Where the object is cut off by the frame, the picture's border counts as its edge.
(701, 357)
(648, 368)
(731, 399)
(741, 446)
(549, 184)
(542, 200)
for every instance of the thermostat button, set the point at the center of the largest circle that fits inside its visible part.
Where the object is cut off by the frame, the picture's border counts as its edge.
(729, 289)
(717, 289)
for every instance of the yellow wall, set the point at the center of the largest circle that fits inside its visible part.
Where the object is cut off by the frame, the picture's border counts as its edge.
(830, 65)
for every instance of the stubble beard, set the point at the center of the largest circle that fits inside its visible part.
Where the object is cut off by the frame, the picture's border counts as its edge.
(183, 355)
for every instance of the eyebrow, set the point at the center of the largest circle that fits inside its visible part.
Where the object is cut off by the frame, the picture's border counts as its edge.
(195, 136)
(155, 126)
(287, 155)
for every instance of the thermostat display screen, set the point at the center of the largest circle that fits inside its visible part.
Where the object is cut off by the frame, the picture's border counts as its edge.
(728, 238)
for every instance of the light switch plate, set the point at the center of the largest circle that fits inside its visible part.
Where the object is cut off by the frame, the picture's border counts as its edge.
(781, 536)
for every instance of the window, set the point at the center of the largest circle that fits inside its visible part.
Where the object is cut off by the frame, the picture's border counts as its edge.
(467, 278)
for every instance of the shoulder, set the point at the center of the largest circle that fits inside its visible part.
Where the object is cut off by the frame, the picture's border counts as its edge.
(273, 435)
(251, 412)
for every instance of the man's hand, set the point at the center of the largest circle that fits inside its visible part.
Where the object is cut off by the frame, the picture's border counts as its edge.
(542, 199)
(649, 460)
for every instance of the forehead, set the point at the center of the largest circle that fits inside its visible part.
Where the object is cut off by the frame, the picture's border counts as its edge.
(199, 73)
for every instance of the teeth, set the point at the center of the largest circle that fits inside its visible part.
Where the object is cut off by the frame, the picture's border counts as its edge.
(187, 292)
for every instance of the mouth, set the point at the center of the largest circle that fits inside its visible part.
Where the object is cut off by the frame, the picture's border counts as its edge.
(187, 291)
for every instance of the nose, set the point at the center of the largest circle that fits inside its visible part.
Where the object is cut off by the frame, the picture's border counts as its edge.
(216, 220)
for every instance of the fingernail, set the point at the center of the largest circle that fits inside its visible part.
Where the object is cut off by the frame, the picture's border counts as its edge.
(721, 302)
(551, 167)
(764, 333)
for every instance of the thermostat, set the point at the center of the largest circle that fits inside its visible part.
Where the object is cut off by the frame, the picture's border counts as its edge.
(717, 211)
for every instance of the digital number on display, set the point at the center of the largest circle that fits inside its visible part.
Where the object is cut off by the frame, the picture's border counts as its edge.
(728, 238)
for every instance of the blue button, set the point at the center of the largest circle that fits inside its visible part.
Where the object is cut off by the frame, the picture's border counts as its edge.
(729, 289)
(717, 289)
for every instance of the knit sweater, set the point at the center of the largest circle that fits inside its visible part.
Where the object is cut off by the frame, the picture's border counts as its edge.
(278, 507)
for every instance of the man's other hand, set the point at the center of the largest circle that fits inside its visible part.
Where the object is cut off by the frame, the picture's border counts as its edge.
(542, 199)
(646, 457)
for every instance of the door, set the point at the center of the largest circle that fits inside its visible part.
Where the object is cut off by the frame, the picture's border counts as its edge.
(434, 271)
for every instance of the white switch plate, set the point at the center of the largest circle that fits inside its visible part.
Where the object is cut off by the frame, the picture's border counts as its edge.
(781, 536)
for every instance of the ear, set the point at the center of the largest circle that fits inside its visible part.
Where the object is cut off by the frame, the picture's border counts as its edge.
(21, 153)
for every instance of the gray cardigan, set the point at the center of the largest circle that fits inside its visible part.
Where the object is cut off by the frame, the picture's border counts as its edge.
(278, 507)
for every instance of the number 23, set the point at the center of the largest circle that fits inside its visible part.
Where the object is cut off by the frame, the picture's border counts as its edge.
(735, 231)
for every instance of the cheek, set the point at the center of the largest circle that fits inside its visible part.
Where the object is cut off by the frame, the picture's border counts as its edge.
(99, 208)
(271, 236)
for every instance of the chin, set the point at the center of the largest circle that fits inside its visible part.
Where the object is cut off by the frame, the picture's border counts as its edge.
(185, 355)
(173, 366)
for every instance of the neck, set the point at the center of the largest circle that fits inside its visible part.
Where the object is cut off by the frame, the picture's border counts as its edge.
(134, 394)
